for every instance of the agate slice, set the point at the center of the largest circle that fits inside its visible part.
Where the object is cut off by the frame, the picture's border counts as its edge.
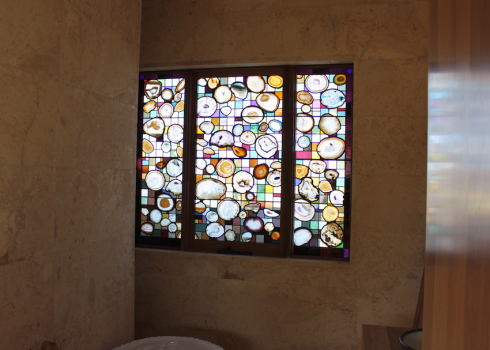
(243, 181)
(167, 95)
(270, 213)
(261, 171)
(149, 106)
(228, 209)
(332, 234)
(238, 130)
(304, 122)
(340, 79)
(147, 228)
(252, 115)
(180, 86)
(147, 146)
(333, 98)
(225, 168)
(166, 146)
(179, 106)
(153, 88)
(174, 187)
(276, 165)
(255, 83)
(175, 167)
(253, 224)
(210, 168)
(222, 138)
(166, 110)
(248, 138)
(175, 133)
(246, 237)
(274, 178)
(275, 125)
(304, 97)
(200, 164)
(325, 186)
(165, 202)
(269, 227)
(154, 127)
(329, 124)
(266, 146)
(212, 216)
(156, 216)
(155, 180)
(213, 83)
(210, 189)
(330, 213)
(302, 236)
(255, 207)
(215, 230)
(331, 174)
(230, 235)
(337, 198)
(317, 166)
(301, 171)
(226, 110)
(206, 127)
(263, 127)
(222, 94)
(206, 106)
(240, 90)
(269, 102)
(331, 148)
(304, 142)
(202, 142)
(200, 207)
(303, 210)
(275, 81)
(307, 190)
(316, 83)
(239, 151)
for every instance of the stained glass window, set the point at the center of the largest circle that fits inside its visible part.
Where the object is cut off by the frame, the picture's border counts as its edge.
(323, 161)
(160, 159)
(238, 158)
(268, 166)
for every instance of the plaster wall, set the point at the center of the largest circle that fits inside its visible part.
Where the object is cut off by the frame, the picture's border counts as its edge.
(244, 303)
(68, 81)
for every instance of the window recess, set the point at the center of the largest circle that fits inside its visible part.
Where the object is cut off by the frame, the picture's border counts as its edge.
(246, 161)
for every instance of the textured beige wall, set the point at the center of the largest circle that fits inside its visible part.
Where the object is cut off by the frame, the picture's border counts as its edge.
(68, 81)
(258, 303)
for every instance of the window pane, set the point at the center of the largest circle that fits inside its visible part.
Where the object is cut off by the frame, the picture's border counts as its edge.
(323, 161)
(238, 158)
(160, 164)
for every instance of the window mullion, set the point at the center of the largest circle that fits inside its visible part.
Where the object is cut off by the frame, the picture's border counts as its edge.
(189, 162)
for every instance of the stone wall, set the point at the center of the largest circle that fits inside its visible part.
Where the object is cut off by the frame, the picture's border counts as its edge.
(68, 93)
(244, 303)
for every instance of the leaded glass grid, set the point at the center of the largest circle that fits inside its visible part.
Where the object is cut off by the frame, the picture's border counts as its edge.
(238, 158)
(160, 158)
(323, 161)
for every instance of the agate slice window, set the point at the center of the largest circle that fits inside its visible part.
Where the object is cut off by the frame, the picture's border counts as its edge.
(238, 158)
(267, 170)
(160, 159)
(323, 161)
